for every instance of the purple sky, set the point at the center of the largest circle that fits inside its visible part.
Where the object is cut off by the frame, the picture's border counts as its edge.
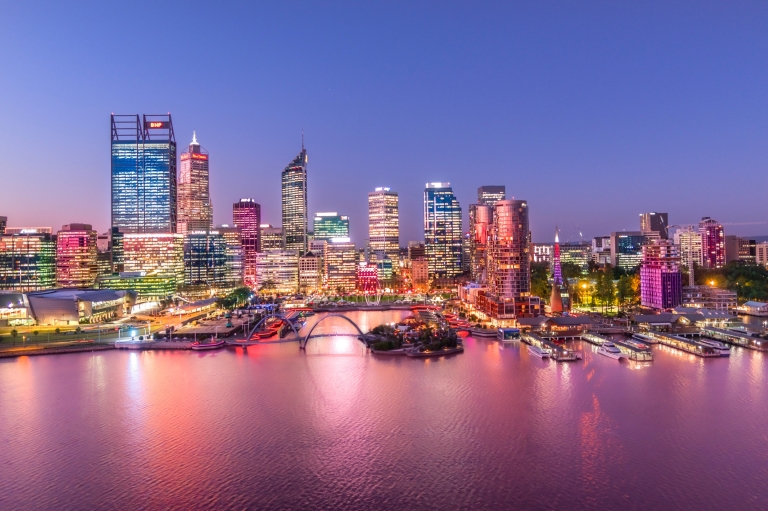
(592, 111)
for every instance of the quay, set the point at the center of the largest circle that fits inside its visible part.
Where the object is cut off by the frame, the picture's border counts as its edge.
(681, 343)
(53, 351)
(735, 338)
(633, 350)
(558, 353)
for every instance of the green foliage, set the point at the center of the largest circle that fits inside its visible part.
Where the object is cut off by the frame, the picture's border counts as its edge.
(237, 297)
(750, 281)
(540, 285)
(384, 346)
(570, 270)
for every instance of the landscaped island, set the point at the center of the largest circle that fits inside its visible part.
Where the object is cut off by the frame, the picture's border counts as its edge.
(415, 338)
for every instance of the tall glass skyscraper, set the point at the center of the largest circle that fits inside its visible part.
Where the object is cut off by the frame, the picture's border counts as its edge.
(143, 174)
(442, 230)
(330, 225)
(195, 211)
(294, 197)
(384, 224)
(246, 215)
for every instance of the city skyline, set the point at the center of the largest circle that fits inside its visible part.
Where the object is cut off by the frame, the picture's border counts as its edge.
(620, 134)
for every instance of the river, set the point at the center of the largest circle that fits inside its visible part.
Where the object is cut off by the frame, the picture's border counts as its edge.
(338, 428)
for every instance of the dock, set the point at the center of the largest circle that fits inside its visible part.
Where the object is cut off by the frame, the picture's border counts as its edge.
(735, 338)
(633, 350)
(558, 353)
(683, 344)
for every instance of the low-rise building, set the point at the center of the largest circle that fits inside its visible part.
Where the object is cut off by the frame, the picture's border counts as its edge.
(709, 297)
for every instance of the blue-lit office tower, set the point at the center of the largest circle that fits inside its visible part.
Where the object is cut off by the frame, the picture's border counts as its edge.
(143, 174)
(294, 199)
(442, 231)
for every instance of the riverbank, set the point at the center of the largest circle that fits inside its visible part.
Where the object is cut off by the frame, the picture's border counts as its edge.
(57, 350)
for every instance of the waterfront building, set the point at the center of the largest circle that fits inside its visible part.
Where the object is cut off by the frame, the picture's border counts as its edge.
(27, 259)
(340, 262)
(76, 306)
(150, 288)
(277, 271)
(384, 223)
(195, 211)
(294, 203)
(233, 252)
(480, 218)
(508, 294)
(159, 256)
(661, 282)
(712, 243)
(367, 278)
(205, 260)
(330, 225)
(310, 273)
(15, 309)
(490, 195)
(143, 163)
(655, 223)
(709, 297)
(442, 230)
(627, 249)
(246, 215)
(271, 237)
(76, 256)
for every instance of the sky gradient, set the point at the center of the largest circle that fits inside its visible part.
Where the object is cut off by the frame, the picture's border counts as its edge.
(593, 113)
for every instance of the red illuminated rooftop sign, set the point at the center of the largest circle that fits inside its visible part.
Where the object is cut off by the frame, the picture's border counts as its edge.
(157, 125)
(194, 156)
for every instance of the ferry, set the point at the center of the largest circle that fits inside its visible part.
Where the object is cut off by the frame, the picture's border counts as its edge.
(213, 344)
(541, 353)
(647, 339)
(508, 334)
(723, 349)
(610, 350)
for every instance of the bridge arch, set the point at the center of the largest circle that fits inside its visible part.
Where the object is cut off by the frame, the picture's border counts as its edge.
(281, 316)
(303, 344)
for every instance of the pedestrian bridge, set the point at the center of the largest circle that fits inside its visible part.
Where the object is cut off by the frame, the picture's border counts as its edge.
(303, 340)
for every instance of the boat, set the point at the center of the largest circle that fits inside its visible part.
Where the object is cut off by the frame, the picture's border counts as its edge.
(541, 353)
(647, 339)
(213, 344)
(723, 349)
(610, 350)
(414, 352)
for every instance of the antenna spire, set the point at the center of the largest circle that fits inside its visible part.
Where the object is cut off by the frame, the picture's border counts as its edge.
(302, 139)
(194, 138)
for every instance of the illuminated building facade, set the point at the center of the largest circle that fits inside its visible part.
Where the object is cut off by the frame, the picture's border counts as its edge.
(246, 215)
(233, 252)
(195, 211)
(76, 256)
(480, 216)
(490, 195)
(155, 254)
(442, 230)
(384, 224)
(340, 265)
(310, 273)
(330, 225)
(661, 283)
(689, 247)
(712, 243)
(627, 249)
(294, 203)
(367, 278)
(27, 259)
(655, 222)
(277, 271)
(205, 259)
(3, 223)
(143, 174)
(271, 237)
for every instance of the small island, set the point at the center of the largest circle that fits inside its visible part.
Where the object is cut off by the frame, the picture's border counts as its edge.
(415, 338)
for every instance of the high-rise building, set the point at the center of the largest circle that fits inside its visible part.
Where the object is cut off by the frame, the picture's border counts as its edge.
(310, 272)
(277, 271)
(661, 283)
(294, 201)
(340, 265)
(712, 243)
(205, 259)
(271, 237)
(27, 259)
(234, 255)
(442, 230)
(384, 224)
(601, 250)
(490, 195)
(76, 256)
(246, 215)
(157, 254)
(143, 174)
(330, 225)
(655, 222)
(195, 211)
(3, 223)
(627, 249)
(480, 217)
(689, 248)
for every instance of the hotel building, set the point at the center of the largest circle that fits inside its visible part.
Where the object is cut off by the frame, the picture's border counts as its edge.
(480, 216)
(294, 203)
(661, 283)
(384, 224)
(712, 243)
(76, 256)
(442, 230)
(195, 212)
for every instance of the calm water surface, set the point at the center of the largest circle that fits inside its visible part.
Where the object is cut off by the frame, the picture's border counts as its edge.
(338, 428)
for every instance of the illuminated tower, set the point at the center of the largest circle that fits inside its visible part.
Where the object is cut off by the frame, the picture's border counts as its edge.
(480, 216)
(246, 215)
(384, 224)
(558, 301)
(442, 230)
(76, 256)
(195, 212)
(712, 243)
(294, 197)
(143, 174)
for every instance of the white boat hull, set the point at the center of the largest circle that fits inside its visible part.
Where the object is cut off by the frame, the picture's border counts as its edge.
(538, 352)
(615, 356)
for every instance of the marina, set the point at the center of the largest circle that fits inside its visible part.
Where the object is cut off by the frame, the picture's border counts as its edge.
(681, 343)
(558, 353)
(736, 338)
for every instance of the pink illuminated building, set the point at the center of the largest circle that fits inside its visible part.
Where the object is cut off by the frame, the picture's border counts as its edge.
(246, 215)
(76, 256)
(712, 243)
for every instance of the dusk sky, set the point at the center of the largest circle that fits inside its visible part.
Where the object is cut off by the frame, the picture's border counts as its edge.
(592, 111)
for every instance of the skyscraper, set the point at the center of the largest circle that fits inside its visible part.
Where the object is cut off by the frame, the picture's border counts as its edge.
(712, 243)
(661, 283)
(195, 211)
(480, 216)
(384, 224)
(143, 174)
(442, 230)
(490, 195)
(205, 259)
(27, 259)
(330, 225)
(76, 256)
(294, 200)
(3, 223)
(246, 215)
(655, 222)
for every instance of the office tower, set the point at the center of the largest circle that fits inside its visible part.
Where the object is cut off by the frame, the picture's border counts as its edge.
(27, 259)
(340, 262)
(330, 225)
(3, 223)
(157, 254)
(689, 248)
(384, 224)
(195, 211)
(627, 249)
(294, 201)
(480, 216)
(205, 259)
(490, 195)
(310, 272)
(76, 256)
(712, 243)
(143, 174)
(271, 237)
(277, 271)
(233, 252)
(655, 222)
(661, 283)
(246, 215)
(442, 230)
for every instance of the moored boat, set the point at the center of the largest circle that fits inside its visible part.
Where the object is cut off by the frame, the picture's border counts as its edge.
(723, 349)
(610, 350)
(212, 344)
(539, 352)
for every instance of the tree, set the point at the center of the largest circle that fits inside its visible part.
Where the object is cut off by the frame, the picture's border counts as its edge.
(624, 290)
(540, 285)
(14, 333)
(570, 270)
